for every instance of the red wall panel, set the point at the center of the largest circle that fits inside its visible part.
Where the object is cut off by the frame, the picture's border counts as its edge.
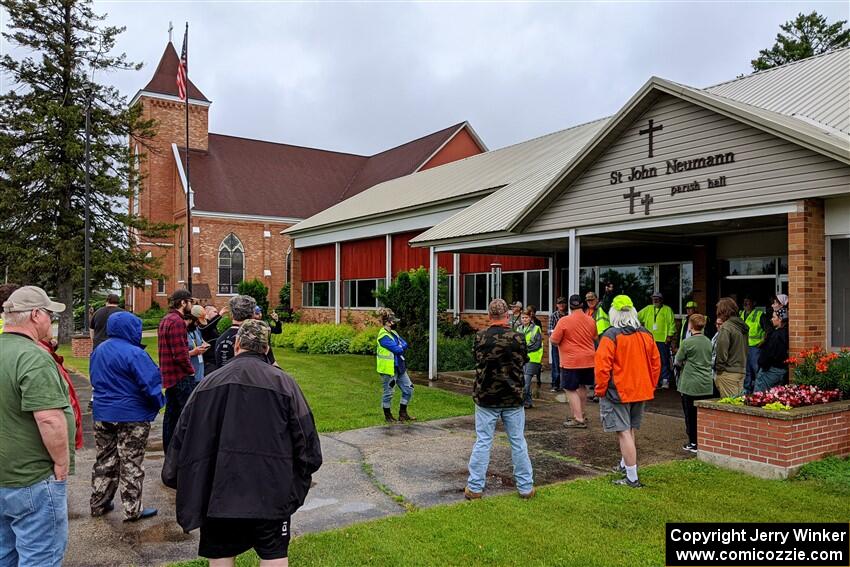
(475, 263)
(461, 146)
(362, 259)
(317, 263)
(407, 258)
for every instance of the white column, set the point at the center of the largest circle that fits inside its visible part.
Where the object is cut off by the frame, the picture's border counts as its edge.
(456, 284)
(337, 284)
(432, 315)
(389, 273)
(574, 262)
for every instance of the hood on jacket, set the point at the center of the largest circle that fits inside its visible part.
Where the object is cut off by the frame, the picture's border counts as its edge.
(125, 325)
(737, 322)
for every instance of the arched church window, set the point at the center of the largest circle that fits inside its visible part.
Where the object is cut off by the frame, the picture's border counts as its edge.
(231, 264)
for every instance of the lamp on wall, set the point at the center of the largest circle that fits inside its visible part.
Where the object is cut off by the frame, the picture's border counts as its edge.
(495, 281)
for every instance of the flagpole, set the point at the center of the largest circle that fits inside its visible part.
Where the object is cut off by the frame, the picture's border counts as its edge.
(188, 184)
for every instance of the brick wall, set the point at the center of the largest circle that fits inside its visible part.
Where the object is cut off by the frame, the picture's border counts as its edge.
(807, 276)
(316, 315)
(782, 445)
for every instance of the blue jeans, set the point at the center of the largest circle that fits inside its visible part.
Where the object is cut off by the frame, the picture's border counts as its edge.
(175, 400)
(753, 353)
(34, 524)
(531, 369)
(404, 384)
(767, 379)
(485, 427)
(555, 363)
(666, 372)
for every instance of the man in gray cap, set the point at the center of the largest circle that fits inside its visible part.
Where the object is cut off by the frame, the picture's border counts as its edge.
(37, 458)
(247, 423)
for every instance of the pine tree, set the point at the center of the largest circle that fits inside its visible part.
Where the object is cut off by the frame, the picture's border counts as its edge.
(42, 154)
(803, 37)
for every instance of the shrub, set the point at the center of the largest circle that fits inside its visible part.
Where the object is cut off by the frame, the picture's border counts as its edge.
(324, 338)
(830, 468)
(287, 338)
(455, 329)
(258, 290)
(283, 296)
(365, 341)
(454, 354)
(791, 396)
(224, 323)
(826, 370)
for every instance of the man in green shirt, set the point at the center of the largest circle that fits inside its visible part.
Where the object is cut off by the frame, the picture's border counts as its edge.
(660, 321)
(695, 381)
(37, 444)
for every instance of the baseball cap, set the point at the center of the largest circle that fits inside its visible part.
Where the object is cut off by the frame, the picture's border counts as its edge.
(561, 299)
(254, 333)
(31, 297)
(622, 302)
(691, 305)
(387, 315)
(180, 295)
(657, 295)
(197, 311)
(258, 310)
(575, 301)
(517, 304)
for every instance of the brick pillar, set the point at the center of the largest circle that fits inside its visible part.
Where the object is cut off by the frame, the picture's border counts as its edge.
(807, 276)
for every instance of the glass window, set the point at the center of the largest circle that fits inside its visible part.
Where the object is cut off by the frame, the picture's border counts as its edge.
(537, 290)
(449, 291)
(475, 292)
(513, 287)
(160, 286)
(231, 264)
(358, 293)
(839, 287)
(638, 282)
(318, 294)
(586, 282)
(687, 285)
(669, 284)
(753, 267)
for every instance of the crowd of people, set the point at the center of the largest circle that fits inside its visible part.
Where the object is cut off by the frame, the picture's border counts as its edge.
(231, 413)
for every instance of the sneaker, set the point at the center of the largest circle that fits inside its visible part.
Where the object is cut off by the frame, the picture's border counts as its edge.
(627, 482)
(562, 398)
(690, 447)
(470, 495)
(575, 424)
(528, 495)
(553, 389)
(145, 513)
(619, 469)
(665, 384)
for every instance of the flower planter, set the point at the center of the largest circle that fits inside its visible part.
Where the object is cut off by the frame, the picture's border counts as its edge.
(81, 346)
(769, 443)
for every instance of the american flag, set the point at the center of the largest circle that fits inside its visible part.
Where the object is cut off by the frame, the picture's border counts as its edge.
(183, 67)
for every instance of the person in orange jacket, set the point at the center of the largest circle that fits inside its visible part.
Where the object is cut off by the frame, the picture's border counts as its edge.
(627, 370)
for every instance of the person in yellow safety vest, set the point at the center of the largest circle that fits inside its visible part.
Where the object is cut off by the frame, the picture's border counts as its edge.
(597, 313)
(534, 343)
(660, 321)
(391, 366)
(756, 324)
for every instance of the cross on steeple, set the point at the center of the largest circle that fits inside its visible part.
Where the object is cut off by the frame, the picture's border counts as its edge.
(170, 29)
(631, 196)
(646, 202)
(649, 131)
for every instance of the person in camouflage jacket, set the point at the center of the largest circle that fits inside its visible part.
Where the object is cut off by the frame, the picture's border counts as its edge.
(500, 354)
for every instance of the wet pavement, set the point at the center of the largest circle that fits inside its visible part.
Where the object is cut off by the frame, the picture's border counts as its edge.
(370, 473)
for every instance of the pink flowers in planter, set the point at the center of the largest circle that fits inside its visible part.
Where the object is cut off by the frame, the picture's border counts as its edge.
(793, 395)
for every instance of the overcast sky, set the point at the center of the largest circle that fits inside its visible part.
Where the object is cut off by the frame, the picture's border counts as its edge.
(363, 77)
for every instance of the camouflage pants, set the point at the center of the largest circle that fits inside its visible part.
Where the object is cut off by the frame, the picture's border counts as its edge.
(120, 453)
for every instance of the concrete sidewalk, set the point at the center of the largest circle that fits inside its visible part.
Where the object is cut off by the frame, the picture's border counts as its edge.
(367, 473)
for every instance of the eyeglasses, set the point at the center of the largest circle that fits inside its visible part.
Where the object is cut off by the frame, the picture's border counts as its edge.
(53, 316)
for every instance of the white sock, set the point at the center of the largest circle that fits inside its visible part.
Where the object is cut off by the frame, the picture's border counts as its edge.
(631, 473)
(622, 462)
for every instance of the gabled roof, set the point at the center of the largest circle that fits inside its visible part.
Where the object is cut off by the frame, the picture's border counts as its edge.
(805, 102)
(253, 177)
(164, 80)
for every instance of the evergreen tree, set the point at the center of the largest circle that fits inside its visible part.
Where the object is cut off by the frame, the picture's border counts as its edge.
(42, 154)
(803, 37)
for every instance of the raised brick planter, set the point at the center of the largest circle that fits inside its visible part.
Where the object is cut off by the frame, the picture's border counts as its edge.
(81, 346)
(771, 444)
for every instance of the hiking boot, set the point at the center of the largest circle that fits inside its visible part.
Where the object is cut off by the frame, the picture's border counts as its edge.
(575, 424)
(388, 416)
(690, 447)
(627, 482)
(528, 495)
(403, 415)
(470, 495)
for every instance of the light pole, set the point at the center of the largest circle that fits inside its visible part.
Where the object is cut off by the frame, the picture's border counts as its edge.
(87, 239)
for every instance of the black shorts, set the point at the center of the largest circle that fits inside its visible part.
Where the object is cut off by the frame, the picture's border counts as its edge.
(572, 378)
(228, 537)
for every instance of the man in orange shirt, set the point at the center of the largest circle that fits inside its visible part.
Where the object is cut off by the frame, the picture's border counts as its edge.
(628, 366)
(575, 336)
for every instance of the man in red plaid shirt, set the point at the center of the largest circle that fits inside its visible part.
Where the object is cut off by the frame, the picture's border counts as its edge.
(178, 376)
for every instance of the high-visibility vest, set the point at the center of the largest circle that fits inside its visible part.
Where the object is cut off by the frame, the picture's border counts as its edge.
(602, 320)
(384, 356)
(537, 355)
(753, 321)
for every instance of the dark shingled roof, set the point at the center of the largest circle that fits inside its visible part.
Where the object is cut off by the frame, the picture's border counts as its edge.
(164, 79)
(253, 177)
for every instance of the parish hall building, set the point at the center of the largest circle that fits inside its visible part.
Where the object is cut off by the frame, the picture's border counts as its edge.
(741, 188)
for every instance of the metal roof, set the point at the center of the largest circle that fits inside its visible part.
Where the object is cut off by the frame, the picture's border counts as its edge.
(806, 101)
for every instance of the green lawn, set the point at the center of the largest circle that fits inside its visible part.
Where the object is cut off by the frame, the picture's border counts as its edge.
(583, 522)
(344, 391)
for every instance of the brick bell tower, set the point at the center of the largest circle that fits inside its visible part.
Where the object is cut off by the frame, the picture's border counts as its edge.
(161, 197)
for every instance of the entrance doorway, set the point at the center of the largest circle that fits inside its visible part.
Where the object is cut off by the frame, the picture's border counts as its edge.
(759, 278)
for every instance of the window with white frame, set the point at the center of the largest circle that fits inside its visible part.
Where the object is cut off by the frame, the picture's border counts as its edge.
(450, 292)
(476, 292)
(231, 264)
(359, 293)
(318, 294)
(839, 292)
(529, 287)
(160, 286)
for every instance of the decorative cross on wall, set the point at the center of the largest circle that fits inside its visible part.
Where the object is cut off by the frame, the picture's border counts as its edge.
(649, 130)
(631, 196)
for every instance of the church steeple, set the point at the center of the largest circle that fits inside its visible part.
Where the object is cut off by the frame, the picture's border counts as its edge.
(164, 80)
